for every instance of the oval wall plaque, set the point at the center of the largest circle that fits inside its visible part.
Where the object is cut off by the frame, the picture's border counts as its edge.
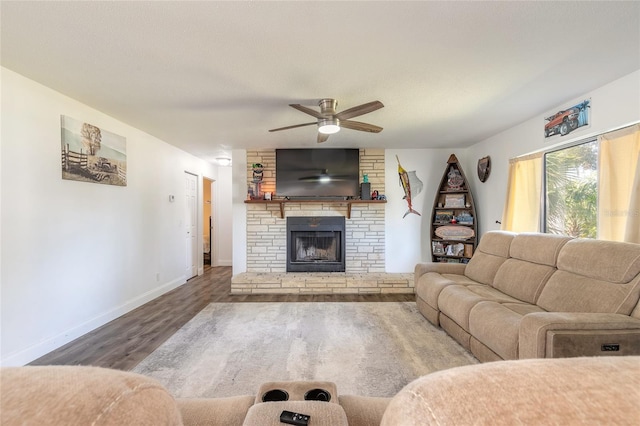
(455, 232)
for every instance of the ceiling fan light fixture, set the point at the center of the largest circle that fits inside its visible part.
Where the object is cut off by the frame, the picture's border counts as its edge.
(324, 177)
(329, 126)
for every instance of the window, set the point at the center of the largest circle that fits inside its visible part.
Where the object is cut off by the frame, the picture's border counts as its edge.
(589, 190)
(571, 191)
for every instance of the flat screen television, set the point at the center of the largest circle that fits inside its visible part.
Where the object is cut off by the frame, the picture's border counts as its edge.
(317, 173)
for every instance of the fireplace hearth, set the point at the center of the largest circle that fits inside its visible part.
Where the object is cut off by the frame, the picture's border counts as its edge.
(316, 244)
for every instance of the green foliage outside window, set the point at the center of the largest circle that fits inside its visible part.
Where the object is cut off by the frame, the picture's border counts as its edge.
(572, 191)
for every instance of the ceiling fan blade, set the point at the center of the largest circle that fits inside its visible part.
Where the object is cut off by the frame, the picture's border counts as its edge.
(363, 127)
(306, 110)
(322, 137)
(293, 127)
(359, 110)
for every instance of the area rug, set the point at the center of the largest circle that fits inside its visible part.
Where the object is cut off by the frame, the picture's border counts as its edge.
(369, 349)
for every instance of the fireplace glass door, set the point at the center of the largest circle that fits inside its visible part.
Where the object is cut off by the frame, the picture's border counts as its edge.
(315, 247)
(310, 249)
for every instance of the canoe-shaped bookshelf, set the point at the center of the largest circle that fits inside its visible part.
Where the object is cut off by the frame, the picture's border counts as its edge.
(454, 232)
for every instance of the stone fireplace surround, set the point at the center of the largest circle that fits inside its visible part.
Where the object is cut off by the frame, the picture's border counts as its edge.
(364, 248)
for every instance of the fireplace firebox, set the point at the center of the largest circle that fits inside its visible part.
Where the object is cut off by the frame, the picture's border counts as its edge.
(316, 244)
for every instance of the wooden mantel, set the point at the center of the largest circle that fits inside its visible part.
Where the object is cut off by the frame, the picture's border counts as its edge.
(349, 203)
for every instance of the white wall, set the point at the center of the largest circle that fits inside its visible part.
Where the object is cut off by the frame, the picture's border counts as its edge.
(76, 255)
(613, 105)
(408, 239)
(239, 195)
(223, 218)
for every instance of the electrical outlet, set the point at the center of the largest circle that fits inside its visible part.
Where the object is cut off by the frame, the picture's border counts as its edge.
(158, 276)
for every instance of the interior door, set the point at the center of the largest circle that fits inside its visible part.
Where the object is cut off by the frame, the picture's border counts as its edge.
(191, 224)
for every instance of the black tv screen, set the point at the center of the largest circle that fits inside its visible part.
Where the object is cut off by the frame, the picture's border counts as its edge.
(317, 172)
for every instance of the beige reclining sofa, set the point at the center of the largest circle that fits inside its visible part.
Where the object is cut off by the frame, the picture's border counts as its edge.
(596, 390)
(535, 295)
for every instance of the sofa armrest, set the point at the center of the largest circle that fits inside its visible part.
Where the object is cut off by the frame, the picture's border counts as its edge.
(601, 390)
(569, 334)
(439, 267)
(229, 411)
(77, 395)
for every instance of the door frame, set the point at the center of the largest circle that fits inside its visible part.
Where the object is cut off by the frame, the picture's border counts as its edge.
(214, 220)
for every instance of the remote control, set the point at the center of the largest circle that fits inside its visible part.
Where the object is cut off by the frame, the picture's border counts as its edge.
(292, 418)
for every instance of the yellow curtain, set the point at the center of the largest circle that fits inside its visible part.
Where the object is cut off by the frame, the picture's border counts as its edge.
(632, 233)
(619, 185)
(522, 207)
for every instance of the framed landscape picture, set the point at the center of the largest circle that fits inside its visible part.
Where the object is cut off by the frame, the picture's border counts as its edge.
(454, 201)
(92, 154)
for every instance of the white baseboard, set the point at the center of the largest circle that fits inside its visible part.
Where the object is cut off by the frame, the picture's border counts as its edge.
(34, 352)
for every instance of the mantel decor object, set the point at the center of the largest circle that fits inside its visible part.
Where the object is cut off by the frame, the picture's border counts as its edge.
(454, 179)
(257, 177)
(454, 201)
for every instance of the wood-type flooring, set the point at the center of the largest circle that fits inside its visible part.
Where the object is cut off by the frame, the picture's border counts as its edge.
(127, 340)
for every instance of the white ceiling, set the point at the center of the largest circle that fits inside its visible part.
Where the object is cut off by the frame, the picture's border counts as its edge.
(212, 76)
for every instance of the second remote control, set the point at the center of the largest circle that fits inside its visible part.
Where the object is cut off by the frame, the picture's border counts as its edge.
(292, 418)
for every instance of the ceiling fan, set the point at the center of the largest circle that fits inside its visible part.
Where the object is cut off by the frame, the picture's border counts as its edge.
(330, 122)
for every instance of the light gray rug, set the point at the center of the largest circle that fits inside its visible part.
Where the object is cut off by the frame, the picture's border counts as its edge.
(369, 349)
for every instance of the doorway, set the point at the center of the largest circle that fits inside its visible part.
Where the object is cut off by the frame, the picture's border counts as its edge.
(207, 223)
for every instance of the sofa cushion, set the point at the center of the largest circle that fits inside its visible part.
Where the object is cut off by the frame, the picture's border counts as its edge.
(569, 292)
(532, 262)
(497, 325)
(594, 276)
(363, 410)
(456, 301)
(482, 352)
(522, 280)
(612, 261)
(537, 248)
(430, 285)
(73, 395)
(490, 254)
(229, 411)
(598, 391)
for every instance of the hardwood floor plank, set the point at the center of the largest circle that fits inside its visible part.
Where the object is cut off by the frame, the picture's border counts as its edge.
(125, 341)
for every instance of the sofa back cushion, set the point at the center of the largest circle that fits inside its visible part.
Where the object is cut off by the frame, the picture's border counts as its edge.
(532, 262)
(490, 254)
(537, 247)
(594, 276)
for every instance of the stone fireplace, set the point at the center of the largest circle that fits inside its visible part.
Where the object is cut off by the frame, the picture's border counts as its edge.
(316, 244)
(360, 247)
